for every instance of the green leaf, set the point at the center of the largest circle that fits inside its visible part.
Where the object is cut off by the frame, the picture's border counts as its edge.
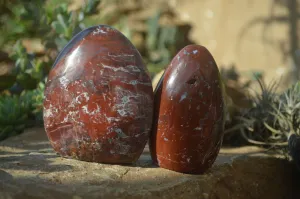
(7, 81)
(27, 81)
(91, 6)
(63, 8)
(62, 21)
(58, 27)
(80, 16)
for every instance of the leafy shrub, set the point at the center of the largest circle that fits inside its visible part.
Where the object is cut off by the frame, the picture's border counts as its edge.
(13, 116)
(21, 91)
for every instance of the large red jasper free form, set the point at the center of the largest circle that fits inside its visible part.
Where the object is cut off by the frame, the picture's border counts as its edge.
(188, 120)
(98, 99)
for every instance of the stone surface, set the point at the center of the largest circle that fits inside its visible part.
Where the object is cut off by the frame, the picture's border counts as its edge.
(29, 168)
(188, 122)
(98, 99)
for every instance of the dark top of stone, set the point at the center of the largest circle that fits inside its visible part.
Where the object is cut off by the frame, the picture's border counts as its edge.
(78, 37)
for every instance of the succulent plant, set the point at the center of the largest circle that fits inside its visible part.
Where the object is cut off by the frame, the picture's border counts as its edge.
(13, 116)
(36, 97)
(18, 112)
(273, 117)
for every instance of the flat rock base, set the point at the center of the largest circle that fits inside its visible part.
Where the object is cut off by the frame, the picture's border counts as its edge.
(29, 168)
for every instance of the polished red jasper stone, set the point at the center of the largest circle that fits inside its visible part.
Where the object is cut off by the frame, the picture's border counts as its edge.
(188, 123)
(98, 99)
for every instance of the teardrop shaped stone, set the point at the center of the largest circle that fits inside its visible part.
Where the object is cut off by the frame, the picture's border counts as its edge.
(188, 124)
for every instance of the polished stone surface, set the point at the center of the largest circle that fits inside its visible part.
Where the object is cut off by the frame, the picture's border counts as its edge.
(189, 113)
(98, 99)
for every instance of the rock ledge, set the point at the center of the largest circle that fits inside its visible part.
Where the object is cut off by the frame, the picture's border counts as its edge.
(29, 168)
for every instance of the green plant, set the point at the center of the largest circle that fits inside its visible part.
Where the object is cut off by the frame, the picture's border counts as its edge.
(90, 7)
(35, 99)
(29, 70)
(273, 116)
(18, 112)
(65, 24)
(21, 18)
(13, 116)
(287, 112)
(161, 43)
(22, 91)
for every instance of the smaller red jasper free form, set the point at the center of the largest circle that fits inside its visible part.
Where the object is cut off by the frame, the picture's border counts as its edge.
(188, 124)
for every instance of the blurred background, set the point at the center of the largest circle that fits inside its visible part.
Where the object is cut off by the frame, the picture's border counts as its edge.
(255, 44)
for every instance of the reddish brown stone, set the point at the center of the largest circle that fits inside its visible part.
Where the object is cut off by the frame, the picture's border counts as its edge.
(188, 120)
(98, 99)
